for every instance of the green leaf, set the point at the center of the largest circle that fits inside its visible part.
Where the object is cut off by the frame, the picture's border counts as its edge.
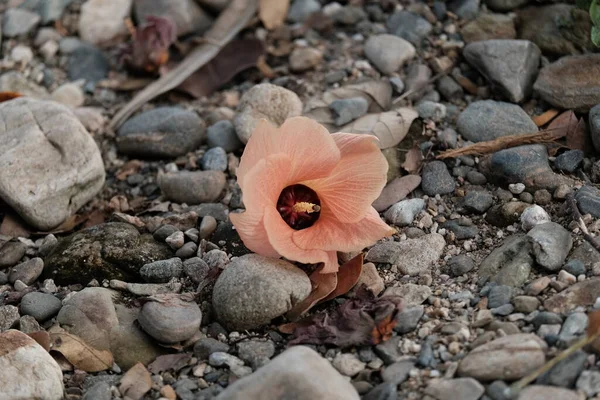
(595, 12)
(596, 36)
(584, 4)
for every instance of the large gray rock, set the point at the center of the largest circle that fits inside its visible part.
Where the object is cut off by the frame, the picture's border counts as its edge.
(254, 289)
(510, 65)
(551, 244)
(298, 373)
(112, 250)
(28, 371)
(485, 120)
(49, 165)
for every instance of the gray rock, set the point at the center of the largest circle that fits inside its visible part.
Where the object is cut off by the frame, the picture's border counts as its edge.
(397, 372)
(546, 318)
(436, 179)
(389, 351)
(485, 120)
(302, 9)
(588, 200)
(506, 358)
(449, 88)
(541, 392)
(256, 353)
(460, 264)
(112, 250)
(214, 159)
(589, 383)
(162, 271)
(196, 268)
(186, 15)
(510, 65)
(575, 324)
(305, 58)
(575, 267)
(40, 306)
(499, 295)
(417, 80)
(396, 190)
(532, 216)
(408, 318)
(348, 364)
(254, 289)
(27, 272)
(28, 324)
(100, 391)
(383, 391)
(411, 294)
(14, 81)
(216, 259)
(551, 244)
(525, 304)
(347, 110)
(207, 226)
(11, 253)
(349, 15)
(188, 250)
(412, 256)
(299, 373)
(404, 212)
(465, 9)
(222, 134)
(169, 318)
(477, 201)
(505, 5)
(461, 230)
(88, 63)
(163, 132)
(204, 347)
(569, 161)
(594, 120)
(388, 52)
(17, 21)
(35, 133)
(3, 278)
(458, 388)
(431, 110)
(509, 264)
(101, 22)
(409, 26)
(9, 316)
(488, 26)
(192, 187)
(570, 82)
(49, 10)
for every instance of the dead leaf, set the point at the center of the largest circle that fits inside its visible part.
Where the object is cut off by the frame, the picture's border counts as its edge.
(42, 337)
(563, 124)
(413, 160)
(119, 203)
(365, 320)
(230, 22)
(136, 382)
(579, 138)
(543, 119)
(130, 219)
(347, 277)
(234, 58)
(149, 49)
(265, 68)
(272, 13)
(79, 353)
(97, 217)
(14, 226)
(323, 285)
(377, 92)
(6, 96)
(129, 168)
(594, 329)
(169, 362)
(389, 127)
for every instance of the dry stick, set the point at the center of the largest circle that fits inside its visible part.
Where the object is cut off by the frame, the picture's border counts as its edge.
(504, 142)
(572, 203)
(231, 21)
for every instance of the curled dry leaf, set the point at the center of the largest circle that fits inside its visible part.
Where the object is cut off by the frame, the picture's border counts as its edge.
(389, 127)
(593, 329)
(323, 285)
(347, 277)
(169, 362)
(79, 353)
(544, 118)
(563, 124)
(272, 13)
(136, 382)
(6, 96)
(129, 168)
(413, 160)
(42, 337)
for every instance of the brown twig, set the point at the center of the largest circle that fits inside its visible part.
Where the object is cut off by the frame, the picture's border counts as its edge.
(572, 203)
(504, 142)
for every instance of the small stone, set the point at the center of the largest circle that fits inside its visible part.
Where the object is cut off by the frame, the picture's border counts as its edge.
(40, 306)
(48, 244)
(546, 318)
(575, 325)
(371, 279)
(101, 21)
(302, 9)
(14, 81)
(588, 200)
(395, 191)
(409, 26)
(430, 110)
(539, 392)
(348, 364)
(389, 351)
(508, 264)
(188, 250)
(575, 267)
(525, 304)
(436, 179)
(11, 253)
(207, 227)
(216, 259)
(589, 383)
(489, 26)
(565, 373)
(305, 58)
(569, 161)
(28, 271)
(397, 372)
(88, 63)
(170, 319)
(256, 353)
(499, 295)
(222, 134)
(449, 88)
(186, 15)
(214, 159)
(542, 197)
(565, 277)
(388, 52)
(28, 324)
(18, 21)
(99, 391)
(349, 15)
(459, 388)
(460, 265)
(162, 271)
(204, 347)
(9, 316)
(192, 187)
(461, 230)
(412, 294)
(347, 110)
(196, 268)
(516, 188)
(383, 391)
(537, 286)
(533, 216)
(404, 212)
(552, 244)
(175, 240)
(477, 201)
(465, 9)
(69, 94)
(407, 319)
(220, 359)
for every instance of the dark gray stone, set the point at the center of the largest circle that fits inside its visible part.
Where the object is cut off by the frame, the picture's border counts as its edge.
(546, 318)
(11, 253)
(465, 9)
(203, 348)
(436, 179)
(460, 264)
(40, 306)
(347, 110)
(27, 272)
(569, 161)
(477, 201)
(551, 244)
(49, 10)
(588, 200)
(99, 391)
(162, 271)
(18, 22)
(397, 372)
(575, 267)
(214, 159)
(407, 320)
(388, 351)
(499, 295)
(88, 63)
(383, 391)
(566, 372)
(509, 264)
(302, 9)
(222, 134)
(594, 120)
(409, 26)
(461, 231)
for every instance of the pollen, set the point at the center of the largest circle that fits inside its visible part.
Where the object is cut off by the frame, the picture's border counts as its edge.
(306, 207)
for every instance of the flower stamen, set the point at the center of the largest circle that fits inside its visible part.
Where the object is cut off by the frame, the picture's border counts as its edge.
(299, 206)
(306, 207)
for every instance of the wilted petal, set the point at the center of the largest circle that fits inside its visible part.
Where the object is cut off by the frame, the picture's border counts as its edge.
(252, 232)
(281, 238)
(329, 234)
(350, 189)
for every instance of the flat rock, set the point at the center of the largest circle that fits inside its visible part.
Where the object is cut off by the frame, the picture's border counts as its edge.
(17, 21)
(412, 256)
(28, 371)
(582, 293)
(163, 132)
(570, 82)
(506, 358)
(459, 388)
(509, 264)
(551, 244)
(541, 392)
(404, 212)
(192, 187)
(40, 306)
(253, 289)
(509, 65)
(388, 52)
(102, 21)
(396, 190)
(409, 26)
(436, 179)
(588, 200)
(186, 15)
(485, 120)
(170, 318)
(412, 295)
(27, 272)
(113, 250)
(299, 373)
(34, 133)
(489, 26)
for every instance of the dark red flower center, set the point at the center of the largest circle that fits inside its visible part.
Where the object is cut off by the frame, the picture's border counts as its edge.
(299, 206)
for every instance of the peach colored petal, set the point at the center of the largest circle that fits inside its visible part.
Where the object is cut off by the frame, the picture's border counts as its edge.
(350, 189)
(329, 234)
(281, 238)
(312, 150)
(252, 232)
(265, 182)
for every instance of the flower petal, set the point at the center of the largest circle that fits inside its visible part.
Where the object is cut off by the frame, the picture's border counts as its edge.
(329, 234)
(312, 150)
(265, 182)
(350, 189)
(281, 238)
(252, 232)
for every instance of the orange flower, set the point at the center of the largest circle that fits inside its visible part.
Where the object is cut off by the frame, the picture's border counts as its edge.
(308, 193)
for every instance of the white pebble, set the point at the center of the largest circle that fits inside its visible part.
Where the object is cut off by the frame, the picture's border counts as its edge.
(565, 277)
(21, 54)
(533, 216)
(516, 188)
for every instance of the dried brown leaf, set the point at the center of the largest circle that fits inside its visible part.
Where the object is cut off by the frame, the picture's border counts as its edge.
(377, 92)
(323, 285)
(13, 225)
(544, 118)
(272, 13)
(136, 382)
(6, 96)
(389, 127)
(149, 49)
(96, 217)
(42, 337)
(169, 362)
(413, 160)
(79, 353)
(579, 138)
(564, 124)
(129, 168)
(347, 277)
